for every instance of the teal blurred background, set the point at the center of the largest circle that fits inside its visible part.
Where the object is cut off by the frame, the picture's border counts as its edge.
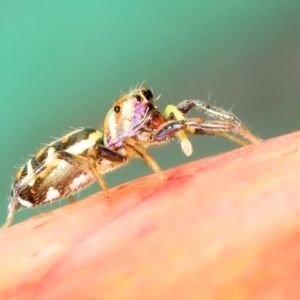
(63, 63)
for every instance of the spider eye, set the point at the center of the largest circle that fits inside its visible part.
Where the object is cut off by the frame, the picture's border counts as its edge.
(148, 94)
(138, 98)
(117, 108)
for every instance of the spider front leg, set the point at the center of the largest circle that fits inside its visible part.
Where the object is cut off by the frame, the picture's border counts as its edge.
(214, 128)
(222, 115)
(197, 126)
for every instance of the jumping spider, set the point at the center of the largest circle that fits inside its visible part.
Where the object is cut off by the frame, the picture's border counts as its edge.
(133, 123)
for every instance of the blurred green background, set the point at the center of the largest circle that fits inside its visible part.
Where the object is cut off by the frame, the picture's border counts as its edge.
(63, 63)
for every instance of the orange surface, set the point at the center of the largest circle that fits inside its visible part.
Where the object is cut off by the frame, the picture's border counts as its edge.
(224, 227)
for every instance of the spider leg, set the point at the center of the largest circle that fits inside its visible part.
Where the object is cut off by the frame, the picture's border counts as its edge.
(86, 164)
(139, 150)
(222, 115)
(199, 126)
(71, 199)
(217, 128)
(11, 212)
(93, 159)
